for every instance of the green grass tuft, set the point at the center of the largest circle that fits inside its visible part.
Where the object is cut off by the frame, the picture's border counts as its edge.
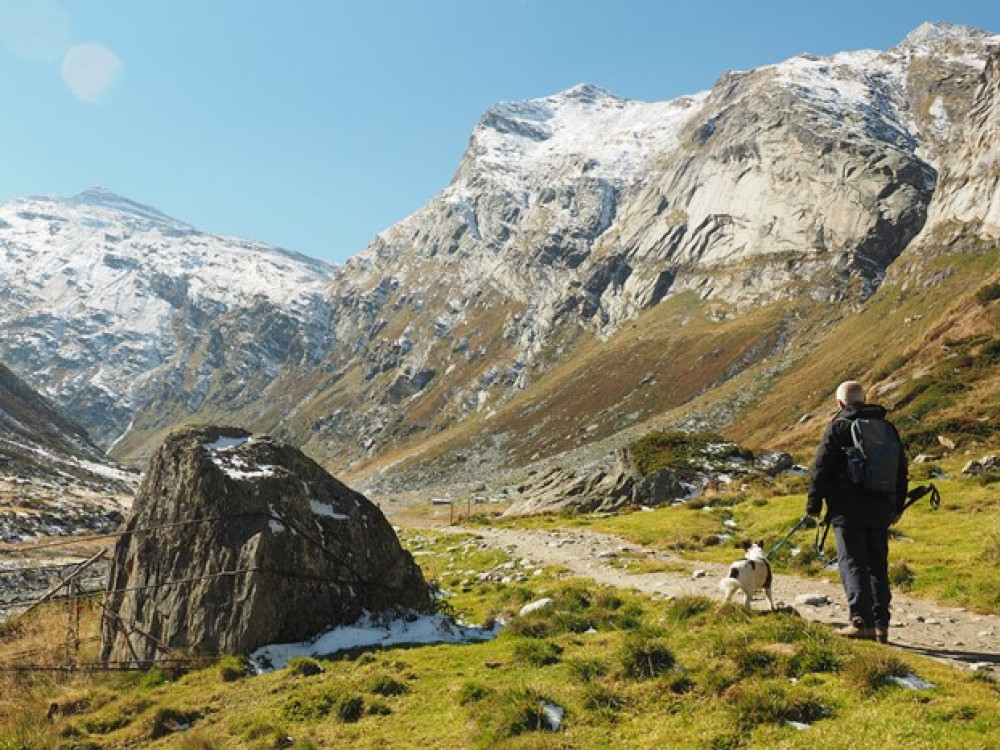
(304, 666)
(643, 657)
(869, 671)
(537, 653)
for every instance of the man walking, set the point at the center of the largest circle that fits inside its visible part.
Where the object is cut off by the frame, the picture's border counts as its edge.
(860, 470)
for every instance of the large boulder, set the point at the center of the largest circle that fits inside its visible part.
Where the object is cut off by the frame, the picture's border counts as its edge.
(236, 541)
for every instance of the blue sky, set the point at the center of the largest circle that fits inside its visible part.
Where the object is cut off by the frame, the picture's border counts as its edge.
(315, 124)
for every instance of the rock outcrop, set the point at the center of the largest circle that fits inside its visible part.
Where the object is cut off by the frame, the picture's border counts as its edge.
(562, 490)
(236, 542)
(601, 490)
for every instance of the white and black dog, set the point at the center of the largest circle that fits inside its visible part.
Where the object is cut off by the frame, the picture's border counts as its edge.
(750, 575)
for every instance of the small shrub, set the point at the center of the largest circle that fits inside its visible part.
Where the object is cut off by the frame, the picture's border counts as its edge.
(991, 549)
(716, 682)
(767, 703)
(166, 721)
(573, 599)
(315, 706)
(472, 692)
(304, 666)
(607, 599)
(685, 608)
(628, 617)
(585, 670)
(985, 480)
(902, 576)
(681, 685)
(232, 668)
(378, 708)
(386, 686)
(988, 293)
(869, 672)
(515, 712)
(644, 657)
(598, 698)
(537, 653)
(350, 709)
(534, 625)
(751, 660)
(815, 657)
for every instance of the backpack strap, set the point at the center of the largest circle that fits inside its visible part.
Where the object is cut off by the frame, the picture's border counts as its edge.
(856, 436)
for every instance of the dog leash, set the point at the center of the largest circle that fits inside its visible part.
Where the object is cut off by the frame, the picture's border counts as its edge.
(805, 520)
(912, 496)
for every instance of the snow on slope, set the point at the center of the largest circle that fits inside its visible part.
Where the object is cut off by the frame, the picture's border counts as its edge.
(519, 140)
(93, 251)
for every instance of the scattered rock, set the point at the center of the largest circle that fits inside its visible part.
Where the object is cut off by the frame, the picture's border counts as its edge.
(985, 465)
(699, 573)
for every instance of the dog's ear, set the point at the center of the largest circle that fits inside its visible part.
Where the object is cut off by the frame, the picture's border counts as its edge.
(747, 544)
(760, 544)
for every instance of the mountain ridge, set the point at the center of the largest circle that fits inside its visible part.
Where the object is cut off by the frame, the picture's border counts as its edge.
(790, 190)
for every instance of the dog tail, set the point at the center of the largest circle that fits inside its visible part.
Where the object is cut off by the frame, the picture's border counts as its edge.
(729, 584)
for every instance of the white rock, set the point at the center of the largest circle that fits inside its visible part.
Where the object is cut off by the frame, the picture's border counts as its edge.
(535, 606)
(699, 573)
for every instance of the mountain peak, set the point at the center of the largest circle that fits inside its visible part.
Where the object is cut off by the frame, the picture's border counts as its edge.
(931, 34)
(585, 92)
(99, 196)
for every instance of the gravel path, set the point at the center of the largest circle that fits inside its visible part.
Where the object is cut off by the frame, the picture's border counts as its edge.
(953, 635)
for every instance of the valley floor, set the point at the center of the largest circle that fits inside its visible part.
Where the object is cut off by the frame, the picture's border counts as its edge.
(953, 635)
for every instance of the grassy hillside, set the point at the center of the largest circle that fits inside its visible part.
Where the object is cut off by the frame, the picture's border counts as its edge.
(627, 670)
(927, 343)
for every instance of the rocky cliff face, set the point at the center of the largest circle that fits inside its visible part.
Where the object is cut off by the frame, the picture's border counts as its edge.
(235, 542)
(38, 444)
(797, 184)
(793, 187)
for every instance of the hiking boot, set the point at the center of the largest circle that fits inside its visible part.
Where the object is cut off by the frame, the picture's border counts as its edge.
(881, 634)
(858, 631)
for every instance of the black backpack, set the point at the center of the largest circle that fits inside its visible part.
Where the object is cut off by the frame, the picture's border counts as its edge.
(873, 458)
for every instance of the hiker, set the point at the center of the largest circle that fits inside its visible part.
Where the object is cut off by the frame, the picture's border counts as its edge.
(860, 507)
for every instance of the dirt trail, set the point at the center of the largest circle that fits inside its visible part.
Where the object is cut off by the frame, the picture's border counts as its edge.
(956, 636)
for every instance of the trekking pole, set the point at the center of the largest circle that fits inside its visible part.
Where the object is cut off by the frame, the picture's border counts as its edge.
(912, 496)
(802, 522)
(918, 492)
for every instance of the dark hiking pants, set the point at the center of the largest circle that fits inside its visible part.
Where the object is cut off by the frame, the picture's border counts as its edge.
(863, 559)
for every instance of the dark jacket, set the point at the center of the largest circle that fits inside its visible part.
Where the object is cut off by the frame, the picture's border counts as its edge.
(847, 503)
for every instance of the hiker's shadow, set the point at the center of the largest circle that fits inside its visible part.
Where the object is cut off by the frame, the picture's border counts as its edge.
(968, 657)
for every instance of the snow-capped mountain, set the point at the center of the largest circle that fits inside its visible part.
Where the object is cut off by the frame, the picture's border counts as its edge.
(790, 189)
(106, 301)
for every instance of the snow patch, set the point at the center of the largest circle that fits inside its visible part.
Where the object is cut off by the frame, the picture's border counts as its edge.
(912, 682)
(553, 715)
(369, 631)
(322, 509)
(226, 443)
